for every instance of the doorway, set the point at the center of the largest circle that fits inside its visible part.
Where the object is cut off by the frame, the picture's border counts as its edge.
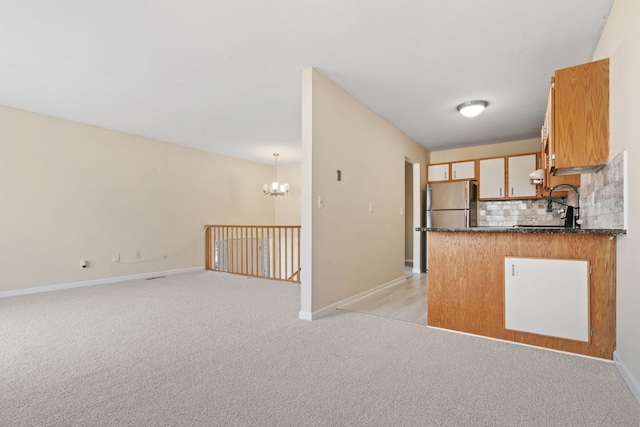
(415, 250)
(407, 300)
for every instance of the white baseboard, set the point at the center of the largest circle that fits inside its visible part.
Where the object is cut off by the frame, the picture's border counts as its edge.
(627, 376)
(416, 270)
(408, 260)
(97, 282)
(305, 315)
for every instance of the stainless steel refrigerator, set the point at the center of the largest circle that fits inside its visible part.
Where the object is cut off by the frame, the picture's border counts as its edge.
(452, 204)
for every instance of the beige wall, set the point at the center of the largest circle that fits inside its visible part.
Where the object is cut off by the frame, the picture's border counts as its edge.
(288, 208)
(73, 192)
(620, 42)
(350, 250)
(489, 150)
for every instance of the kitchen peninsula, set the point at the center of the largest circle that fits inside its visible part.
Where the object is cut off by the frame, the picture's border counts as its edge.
(470, 268)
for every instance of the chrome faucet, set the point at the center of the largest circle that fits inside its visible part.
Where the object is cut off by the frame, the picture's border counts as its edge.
(576, 213)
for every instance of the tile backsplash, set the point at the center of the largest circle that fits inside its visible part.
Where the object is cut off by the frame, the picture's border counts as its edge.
(601, 203)
(602, 196)
(506, 213)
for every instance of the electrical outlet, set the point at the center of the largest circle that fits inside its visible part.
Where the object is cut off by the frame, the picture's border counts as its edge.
(84, 264)
(138, 255)
(115, 257)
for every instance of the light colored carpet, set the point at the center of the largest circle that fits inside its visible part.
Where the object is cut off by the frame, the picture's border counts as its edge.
(209, 349)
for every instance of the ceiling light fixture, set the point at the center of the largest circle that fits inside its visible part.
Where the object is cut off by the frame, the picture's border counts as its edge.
(275, 189)
(472, 108)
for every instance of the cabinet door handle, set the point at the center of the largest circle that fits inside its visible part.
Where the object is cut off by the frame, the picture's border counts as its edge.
(513, 269)
(512, 191)
(454, 174)
(445, 175)
(501, 192)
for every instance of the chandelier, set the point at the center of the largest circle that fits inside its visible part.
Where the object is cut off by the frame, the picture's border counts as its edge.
(275, 188)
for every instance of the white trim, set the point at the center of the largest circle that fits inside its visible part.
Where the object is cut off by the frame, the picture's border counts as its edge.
(305, 315)
(416, 270)
(408, 260)
(625, 191)
(417, 216)
(522, 344)
(627, 376)
(97, 282)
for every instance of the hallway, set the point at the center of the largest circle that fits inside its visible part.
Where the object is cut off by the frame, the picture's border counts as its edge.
(406, 301)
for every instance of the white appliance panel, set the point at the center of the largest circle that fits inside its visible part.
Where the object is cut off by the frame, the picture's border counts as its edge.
(547, 297)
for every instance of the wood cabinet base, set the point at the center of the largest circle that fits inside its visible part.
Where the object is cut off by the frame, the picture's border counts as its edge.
(466, 284)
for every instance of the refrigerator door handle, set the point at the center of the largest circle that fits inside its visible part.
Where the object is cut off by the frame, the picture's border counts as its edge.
(428, 197)
(466, 217)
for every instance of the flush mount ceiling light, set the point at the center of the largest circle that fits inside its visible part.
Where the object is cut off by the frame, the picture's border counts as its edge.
(472, 108)
(275, 188)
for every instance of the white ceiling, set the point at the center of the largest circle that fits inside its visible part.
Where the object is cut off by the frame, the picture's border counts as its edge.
(225, 76)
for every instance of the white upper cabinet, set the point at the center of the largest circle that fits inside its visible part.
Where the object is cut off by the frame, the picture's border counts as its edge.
(437, 173)
(491, 180)
(463, 170)
(518, 177)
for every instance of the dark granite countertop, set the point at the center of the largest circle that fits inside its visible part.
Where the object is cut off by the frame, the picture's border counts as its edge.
(528, 230)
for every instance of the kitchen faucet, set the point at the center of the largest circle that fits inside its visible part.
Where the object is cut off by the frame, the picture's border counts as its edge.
(569, 216)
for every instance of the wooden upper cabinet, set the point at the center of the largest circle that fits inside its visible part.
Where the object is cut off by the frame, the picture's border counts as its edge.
(547, 157)
(549, 181)
(547, 131)
(463, 170)
(553, 181)
(579, 128)
(439, 172)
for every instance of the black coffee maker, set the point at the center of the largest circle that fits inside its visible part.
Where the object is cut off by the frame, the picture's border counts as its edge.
(571, 216)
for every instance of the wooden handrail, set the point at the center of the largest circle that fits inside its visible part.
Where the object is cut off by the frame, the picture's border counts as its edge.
(255, 226)
(297, 273)
(268, 251)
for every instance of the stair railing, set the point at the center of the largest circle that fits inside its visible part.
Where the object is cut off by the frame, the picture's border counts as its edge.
(268, 251)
